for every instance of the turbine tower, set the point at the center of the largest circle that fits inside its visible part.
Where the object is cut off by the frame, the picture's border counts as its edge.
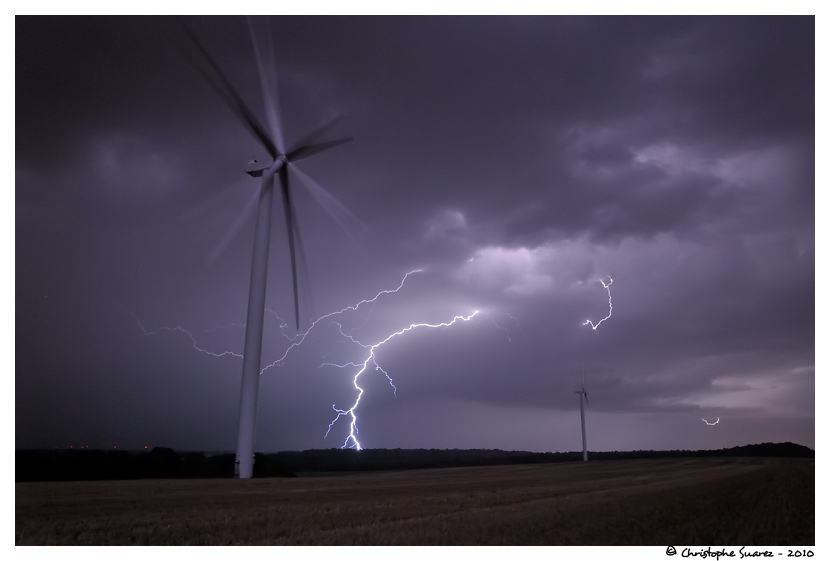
(278, 166)
(583, 399)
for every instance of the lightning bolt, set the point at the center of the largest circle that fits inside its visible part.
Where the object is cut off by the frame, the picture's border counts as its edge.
(299, 338)
(295, 341)
(303, 335)
(711, 424)
(182, 330)
(610, 307)
(362, 367)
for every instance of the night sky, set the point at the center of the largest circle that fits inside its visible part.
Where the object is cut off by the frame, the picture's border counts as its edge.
(517, 162)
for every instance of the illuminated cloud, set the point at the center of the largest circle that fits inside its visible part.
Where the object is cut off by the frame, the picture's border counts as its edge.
(760, 167)
(446, 224)
(513, 271)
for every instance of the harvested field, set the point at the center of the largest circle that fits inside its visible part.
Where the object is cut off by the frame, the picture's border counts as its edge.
(701, 501)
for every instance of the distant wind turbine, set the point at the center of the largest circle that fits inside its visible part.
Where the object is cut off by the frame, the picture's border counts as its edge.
(278, 165)
(583, 397)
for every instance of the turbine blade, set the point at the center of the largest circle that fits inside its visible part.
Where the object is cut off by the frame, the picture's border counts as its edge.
(342, 215)
(219, 200)
(268, 76)
(226, 91)
(304, 289)
(289, 222)
(315, 135)
(311, 149)
(236, 226)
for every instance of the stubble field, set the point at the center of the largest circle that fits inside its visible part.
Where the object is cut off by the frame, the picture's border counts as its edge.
(705, 501)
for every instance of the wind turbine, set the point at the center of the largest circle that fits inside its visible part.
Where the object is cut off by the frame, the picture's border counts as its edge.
(583, 397)
(277, 166)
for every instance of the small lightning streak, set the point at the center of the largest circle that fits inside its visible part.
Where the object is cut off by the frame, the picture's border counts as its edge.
(283, 326)
(370, 359)
(506, 330)
(610, 307)
(711, 424)
(182, 330)
(299, 338)
(218, 327)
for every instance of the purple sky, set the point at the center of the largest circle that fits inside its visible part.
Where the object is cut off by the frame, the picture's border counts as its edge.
(518, 161)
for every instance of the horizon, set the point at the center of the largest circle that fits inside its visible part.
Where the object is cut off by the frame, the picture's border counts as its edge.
(186, 451)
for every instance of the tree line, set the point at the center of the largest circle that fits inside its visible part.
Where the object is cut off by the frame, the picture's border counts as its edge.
(80, 465)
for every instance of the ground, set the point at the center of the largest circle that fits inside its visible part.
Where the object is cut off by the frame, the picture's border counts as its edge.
(693, 501)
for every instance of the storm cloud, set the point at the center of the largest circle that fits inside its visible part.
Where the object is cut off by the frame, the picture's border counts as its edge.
(516, 161)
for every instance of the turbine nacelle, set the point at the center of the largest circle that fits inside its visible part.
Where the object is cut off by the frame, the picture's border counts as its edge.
(256, 168)
(582, 392)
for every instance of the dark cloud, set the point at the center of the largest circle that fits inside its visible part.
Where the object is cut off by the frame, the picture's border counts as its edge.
(515, 160)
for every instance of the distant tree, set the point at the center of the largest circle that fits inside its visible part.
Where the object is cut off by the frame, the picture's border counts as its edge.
(162, 463)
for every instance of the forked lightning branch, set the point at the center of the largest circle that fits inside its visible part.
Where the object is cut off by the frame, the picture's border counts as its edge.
(300, 338)
(371, 358)
(607, 287)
